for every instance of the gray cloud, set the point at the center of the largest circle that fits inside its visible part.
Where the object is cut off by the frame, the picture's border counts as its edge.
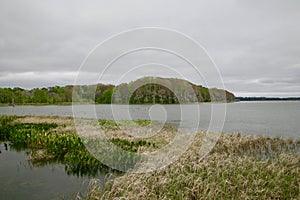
(255, 44)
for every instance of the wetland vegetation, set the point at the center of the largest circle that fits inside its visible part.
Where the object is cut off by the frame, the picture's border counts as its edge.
(239, 166)
(54, 139)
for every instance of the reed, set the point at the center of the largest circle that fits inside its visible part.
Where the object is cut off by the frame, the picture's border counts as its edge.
(239, 167)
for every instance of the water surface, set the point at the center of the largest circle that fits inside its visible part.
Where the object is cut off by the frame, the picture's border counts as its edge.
(21, 179)
(272, 118)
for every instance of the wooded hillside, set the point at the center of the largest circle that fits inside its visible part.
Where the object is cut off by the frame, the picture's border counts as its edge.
(145, 90)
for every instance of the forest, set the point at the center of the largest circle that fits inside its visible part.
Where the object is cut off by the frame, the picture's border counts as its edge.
(146, 90)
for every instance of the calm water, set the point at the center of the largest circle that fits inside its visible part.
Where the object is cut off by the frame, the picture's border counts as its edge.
(273, 118)
(21, 179)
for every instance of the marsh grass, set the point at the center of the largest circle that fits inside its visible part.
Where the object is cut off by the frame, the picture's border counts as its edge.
(114, 124)
(162, 138)
(132, 146)
(239, 167)
(54, 139)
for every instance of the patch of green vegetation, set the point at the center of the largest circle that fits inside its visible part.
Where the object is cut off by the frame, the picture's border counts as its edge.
(23, 133)
(205, 93)
(5, 120)
(112, 124)
(131, 146)
(48, 145)
(106, 96)
(109, 124)
(136, 122)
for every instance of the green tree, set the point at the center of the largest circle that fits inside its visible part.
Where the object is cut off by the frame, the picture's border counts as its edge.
(205, 93)
(6, 95)
(40, 95)
(57, 94)
(68, 93)
(18, 95)
(106, 96)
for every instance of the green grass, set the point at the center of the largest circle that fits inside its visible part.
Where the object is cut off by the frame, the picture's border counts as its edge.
(4, 120)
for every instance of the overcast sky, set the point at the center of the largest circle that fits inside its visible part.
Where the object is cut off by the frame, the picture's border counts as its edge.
(255, 44)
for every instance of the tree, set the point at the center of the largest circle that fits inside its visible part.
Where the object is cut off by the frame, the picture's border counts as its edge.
(205, 93)
(106, 96)
(18, 95)
(6, 95)
(68, 93)
(40, 95)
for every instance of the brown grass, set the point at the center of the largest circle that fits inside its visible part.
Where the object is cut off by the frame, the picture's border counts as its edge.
(239, 167)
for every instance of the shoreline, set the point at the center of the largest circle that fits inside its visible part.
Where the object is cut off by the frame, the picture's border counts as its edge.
(91, 103)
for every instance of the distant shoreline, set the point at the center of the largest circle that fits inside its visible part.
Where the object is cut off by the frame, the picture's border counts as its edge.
(243, 99)
(267, 98)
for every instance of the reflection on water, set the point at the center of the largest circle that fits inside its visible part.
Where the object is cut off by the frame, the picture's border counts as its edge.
(22, 179)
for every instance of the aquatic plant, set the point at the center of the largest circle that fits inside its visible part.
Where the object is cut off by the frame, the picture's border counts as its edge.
(132, 146)
(4, 119)
(51, 142)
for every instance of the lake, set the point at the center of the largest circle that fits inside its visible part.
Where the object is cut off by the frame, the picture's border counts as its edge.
(270, 118)
(53, 181)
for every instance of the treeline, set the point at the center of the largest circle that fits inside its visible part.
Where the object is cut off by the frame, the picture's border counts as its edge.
(53, 95)
(142, 91)
(37, 95)
(268, 98)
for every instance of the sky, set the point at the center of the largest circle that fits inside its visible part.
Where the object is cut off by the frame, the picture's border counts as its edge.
(254, 44)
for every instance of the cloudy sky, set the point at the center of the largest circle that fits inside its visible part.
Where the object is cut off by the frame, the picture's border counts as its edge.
(255, 44)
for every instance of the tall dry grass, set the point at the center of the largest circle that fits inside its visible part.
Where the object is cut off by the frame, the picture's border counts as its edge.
(239, 167)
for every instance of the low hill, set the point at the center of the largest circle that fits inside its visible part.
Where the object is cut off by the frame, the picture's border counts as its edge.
(151, 90)
(147, 90)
